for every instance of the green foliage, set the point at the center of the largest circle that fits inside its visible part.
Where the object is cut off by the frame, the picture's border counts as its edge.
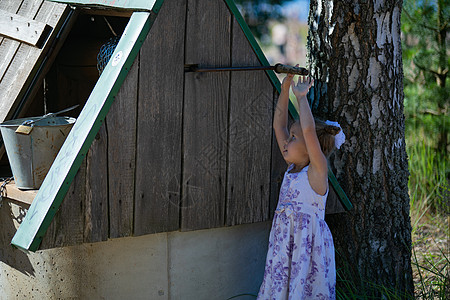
(424, 23)
(425, 39)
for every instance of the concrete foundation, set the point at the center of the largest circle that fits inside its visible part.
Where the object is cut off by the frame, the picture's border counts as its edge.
(205, 264)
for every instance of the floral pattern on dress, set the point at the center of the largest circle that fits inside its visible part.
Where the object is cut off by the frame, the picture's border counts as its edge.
(300, 258)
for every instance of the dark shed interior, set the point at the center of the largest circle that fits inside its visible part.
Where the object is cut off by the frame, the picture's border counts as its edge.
(73, 74)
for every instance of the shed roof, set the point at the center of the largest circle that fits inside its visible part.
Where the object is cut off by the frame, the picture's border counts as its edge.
(21, 63)
(72, 153)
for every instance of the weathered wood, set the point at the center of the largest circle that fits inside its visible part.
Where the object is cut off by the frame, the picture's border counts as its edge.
(23, 29)
(11, 215)
(18, 195)
(8, 47)
(279, 166)
(121, 124)
(206, 116)
(16, 77)
(96, 221)
(108, 4)
(10, 5)
(250, 137)
(67, 227)
(13, 7)
(159, 140)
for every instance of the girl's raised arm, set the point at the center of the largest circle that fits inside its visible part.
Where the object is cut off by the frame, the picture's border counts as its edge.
(280, 118)
(318, 161)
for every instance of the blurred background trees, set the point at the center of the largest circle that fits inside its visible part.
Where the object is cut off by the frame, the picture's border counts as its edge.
(258, 13)
(425, 27)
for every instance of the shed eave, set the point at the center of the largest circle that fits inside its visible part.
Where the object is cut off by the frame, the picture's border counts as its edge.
(134, 5)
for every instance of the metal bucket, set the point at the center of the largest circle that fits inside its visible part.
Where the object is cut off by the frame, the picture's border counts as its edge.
(32, 155)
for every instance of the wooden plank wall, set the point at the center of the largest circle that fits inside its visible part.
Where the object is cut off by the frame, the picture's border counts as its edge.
(159, 132)
(121, 128)
(206, 105)
(250, 138)
(179, 151)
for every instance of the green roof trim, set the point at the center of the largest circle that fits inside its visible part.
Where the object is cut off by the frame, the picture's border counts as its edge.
(339, 191)
(136, 5)
(63, 170)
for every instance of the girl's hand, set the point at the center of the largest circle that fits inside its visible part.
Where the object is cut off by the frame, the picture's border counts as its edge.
(302, 87)
(287, 81)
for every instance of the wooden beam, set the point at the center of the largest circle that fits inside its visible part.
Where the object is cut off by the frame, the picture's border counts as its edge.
(136, 5)
(23, 29)
(18, 195)
(106, 12)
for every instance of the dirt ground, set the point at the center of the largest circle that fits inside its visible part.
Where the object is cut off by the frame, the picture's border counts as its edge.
(431, 257)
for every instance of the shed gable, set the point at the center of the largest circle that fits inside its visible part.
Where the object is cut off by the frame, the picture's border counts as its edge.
(172, 151)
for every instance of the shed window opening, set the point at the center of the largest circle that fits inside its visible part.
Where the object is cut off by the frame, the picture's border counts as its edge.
(73, 70)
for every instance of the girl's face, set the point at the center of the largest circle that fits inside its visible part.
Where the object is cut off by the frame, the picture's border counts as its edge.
(295, 146)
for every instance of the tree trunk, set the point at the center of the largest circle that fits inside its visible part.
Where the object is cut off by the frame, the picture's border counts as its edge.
(355, 58)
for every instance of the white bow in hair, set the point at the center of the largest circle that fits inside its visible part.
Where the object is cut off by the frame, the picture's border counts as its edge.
(339, 138)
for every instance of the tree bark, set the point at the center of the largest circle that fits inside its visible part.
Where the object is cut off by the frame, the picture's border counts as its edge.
(355, 58)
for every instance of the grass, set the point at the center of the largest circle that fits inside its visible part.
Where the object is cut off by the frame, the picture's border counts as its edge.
(430, 217)
(428, 185)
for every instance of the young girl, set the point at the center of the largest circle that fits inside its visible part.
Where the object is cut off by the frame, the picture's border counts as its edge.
(300, 260)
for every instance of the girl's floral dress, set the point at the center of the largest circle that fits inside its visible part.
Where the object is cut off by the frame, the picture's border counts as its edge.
(300, 260)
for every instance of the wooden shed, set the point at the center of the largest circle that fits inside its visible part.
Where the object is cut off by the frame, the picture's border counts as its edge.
(156, 148)
(178, 150)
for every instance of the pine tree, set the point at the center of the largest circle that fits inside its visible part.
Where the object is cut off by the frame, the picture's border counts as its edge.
(425, 27)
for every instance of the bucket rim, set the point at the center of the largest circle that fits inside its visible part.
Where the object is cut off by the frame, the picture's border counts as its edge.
(18, 122)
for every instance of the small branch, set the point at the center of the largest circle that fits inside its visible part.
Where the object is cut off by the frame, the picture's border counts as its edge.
(422, 23)
(430, 112)
(430, 70)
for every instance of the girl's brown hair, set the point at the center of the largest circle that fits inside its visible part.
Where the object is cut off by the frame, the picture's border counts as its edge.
(325, 134)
